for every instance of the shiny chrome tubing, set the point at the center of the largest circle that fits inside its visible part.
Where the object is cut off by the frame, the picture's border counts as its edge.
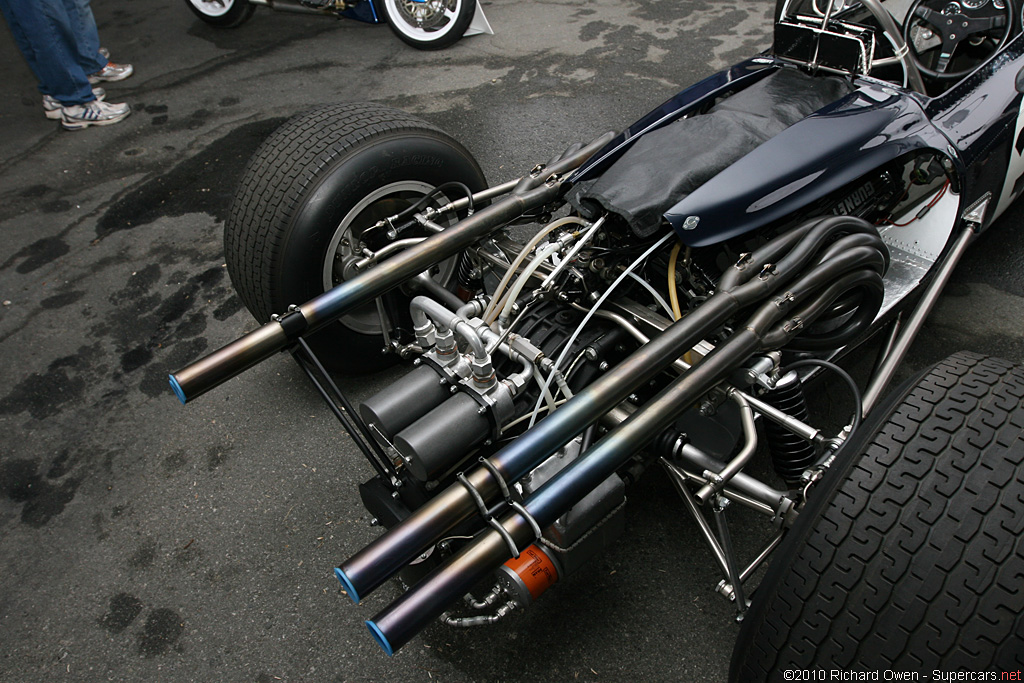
(775, 321)
(895, 35)
(737, 463)
(257, 346)
(764, 497)
(747, 283)
(478, 197)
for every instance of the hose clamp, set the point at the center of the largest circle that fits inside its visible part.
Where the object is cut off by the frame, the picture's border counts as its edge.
(486, 514)
(293, 322)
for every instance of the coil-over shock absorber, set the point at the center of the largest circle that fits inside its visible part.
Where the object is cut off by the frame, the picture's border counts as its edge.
(468, 277)
(791, 455)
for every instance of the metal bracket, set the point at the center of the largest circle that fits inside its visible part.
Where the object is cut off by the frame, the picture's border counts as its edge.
(293, 322)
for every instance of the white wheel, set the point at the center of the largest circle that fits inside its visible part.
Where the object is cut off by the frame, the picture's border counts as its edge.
(222, 13)
(429, 24)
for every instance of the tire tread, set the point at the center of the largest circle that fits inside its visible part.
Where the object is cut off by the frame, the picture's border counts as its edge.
(916, 561)
(283, 170)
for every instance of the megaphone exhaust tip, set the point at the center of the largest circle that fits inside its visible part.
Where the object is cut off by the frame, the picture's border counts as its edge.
(381, 639)
(347, 585)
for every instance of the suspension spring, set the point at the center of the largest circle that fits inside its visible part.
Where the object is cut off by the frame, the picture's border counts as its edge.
(468, 276)
(791, 455)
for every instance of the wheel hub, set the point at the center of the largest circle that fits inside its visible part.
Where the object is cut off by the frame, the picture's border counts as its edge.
(426, 15)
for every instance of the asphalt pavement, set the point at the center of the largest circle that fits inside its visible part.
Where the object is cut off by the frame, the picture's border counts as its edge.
(143, 540)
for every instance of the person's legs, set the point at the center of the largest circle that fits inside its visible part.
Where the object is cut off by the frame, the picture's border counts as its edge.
(43, 32)
(22, 41)
(87, 37)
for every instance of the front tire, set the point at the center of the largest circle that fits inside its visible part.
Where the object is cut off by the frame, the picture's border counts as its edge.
(429, 24)
(306, 197)
(909, 556)
(222, 13)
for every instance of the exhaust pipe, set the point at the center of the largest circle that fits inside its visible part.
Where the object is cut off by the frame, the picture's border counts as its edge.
(240, 355)
(745, 283)
(408, 615)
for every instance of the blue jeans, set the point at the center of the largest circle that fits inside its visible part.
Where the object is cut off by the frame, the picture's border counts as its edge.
(58, 39)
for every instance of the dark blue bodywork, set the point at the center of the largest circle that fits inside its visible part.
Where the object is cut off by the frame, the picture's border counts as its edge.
(971, 126)
(366, 11)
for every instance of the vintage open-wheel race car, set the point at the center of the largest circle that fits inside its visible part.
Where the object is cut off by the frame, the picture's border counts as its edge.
(659, 301)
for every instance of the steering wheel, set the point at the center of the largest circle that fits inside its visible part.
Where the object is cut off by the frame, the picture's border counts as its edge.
(951, 23)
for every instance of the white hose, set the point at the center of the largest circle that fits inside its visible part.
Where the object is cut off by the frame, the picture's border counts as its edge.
(513, 293)
(563, 386)
(544, 392)
(516, 421)
(571, 255)
(544, 232)
(657, 297)
(593, 309)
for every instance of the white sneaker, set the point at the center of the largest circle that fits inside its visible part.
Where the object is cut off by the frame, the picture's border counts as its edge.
(93, 113)
(52, 107)
(112, 72)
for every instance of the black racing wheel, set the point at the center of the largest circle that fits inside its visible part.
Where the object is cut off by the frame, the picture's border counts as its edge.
(309, 201)
(938, 31)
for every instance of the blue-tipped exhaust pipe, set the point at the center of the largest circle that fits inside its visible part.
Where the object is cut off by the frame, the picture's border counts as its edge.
(381, 639)
(856, 268)
(263, 342)
(742, 285)
(350, 590)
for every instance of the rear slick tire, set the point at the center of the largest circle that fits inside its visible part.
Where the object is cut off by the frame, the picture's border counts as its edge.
(306, 197)
(909, 556)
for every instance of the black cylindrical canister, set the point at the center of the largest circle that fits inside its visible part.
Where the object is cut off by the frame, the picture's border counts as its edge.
(405, 401)
(440, 438)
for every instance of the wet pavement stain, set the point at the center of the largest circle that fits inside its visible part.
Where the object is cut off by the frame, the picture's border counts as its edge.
(158, 317)
(141, 281)
(228, 308)
(124, 609)
(204, 183)
(99, 528)
(144, 556)
(135, 359)
(162, 630)
(44, 395)
(197, 119)
(61, 465)
(175, 462)
(38, 254)
(34, 191)
(20, 482)
(61, 300)
(216, 456)
(55, 206)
